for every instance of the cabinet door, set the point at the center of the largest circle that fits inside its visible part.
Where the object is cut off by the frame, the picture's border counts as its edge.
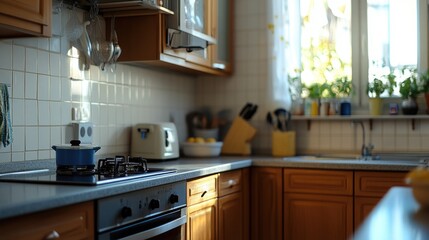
(223, 13)
(363, 206)
(231, 221)
(266, 203)
(376, 184)
(314, 216)
(23, 17)
(202, 221)
(73, 222)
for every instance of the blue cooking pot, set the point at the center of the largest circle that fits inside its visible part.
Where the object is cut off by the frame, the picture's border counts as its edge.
(75, 155)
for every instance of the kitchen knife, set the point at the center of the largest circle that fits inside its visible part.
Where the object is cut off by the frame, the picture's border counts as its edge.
(245, 109)
(251, 111)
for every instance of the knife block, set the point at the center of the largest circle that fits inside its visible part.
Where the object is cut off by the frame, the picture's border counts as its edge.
(283, 144)
(237, 139)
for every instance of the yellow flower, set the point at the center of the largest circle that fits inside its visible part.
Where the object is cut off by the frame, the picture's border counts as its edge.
(271, 27)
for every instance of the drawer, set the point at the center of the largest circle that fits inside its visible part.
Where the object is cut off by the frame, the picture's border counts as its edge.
(72, 222)
(230, 182)
(202, 189)
(376, 184)
(318, 181)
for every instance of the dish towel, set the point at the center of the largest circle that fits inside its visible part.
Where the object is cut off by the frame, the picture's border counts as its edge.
(5, 122)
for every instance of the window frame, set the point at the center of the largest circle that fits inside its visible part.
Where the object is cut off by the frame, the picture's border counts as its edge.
(360, 50)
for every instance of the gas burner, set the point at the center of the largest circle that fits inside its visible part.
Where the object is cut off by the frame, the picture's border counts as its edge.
(121, 166)
(76, 170)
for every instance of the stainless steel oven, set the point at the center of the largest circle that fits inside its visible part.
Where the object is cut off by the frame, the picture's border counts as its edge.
(154, 213)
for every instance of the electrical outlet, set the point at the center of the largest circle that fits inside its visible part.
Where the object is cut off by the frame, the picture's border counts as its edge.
(83, 131)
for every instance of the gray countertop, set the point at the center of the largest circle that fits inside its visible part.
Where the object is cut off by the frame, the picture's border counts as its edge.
(23, 198)
(397, 216)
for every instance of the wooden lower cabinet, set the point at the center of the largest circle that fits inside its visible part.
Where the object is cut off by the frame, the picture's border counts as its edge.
(317, 216)
(370, 187)
(363, 207)
(218, 206)
(231, 219)
(266, 203)
(318, 204)
(234, 205)
(74, 222)
(202, 221)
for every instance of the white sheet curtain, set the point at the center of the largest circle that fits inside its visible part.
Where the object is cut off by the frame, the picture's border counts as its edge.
(283, 49)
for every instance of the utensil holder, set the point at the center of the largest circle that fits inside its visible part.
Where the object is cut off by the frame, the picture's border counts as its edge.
(283, 143)
(238, 137)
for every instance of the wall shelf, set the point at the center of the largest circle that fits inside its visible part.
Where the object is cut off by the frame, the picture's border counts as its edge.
(370, 118)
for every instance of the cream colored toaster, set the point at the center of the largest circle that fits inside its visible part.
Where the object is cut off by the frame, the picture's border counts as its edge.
(156, 141)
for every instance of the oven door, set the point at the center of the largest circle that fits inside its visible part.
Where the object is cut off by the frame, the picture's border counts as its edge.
(169, 225)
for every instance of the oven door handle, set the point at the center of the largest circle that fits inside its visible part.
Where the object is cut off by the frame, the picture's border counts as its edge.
(157, 230)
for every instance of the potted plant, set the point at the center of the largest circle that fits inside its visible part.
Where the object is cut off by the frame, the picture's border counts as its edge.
(374, 90)
(295, 90)
(326, 96)
(314, 93)
(391, 85)
(424, 79)
(331, 97)
(409, 90)
(343, 87)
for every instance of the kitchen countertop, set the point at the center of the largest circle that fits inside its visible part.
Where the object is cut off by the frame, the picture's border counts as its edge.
(397, 216)
(23, 198)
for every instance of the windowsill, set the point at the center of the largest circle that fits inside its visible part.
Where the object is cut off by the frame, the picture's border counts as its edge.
(360, 117)
(370, 118)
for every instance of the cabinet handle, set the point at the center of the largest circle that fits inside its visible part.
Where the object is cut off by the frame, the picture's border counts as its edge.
(204, 193)
(53, 235)
(231, 183)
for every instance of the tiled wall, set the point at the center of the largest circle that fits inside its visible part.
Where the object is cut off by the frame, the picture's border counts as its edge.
(250, 84)
(38, 71)
(343, 136)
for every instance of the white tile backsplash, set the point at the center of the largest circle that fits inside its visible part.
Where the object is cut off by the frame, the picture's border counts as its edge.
(18, 112)
(31, 60)
(6, 59)
(31, 113)
(43, 87)
(31, 86)
(18, 62)
(31, 138)
(43, 62)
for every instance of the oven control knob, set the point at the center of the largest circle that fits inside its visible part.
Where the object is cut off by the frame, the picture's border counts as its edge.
(153, 204)
(126, 212)
(174, 198)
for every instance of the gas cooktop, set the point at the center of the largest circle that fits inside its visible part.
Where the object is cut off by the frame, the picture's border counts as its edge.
(109, 170)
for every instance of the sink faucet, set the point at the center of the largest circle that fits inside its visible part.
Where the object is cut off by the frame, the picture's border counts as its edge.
(366, 150)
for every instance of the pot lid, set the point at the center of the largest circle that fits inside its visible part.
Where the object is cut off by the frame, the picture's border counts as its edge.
(75, 145)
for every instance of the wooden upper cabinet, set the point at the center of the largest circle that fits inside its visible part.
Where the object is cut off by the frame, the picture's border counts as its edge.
(143, 39)
(23, 18)
(223, 22)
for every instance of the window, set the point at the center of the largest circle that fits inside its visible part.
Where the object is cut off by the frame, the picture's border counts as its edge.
(392, 39)
(357, 39)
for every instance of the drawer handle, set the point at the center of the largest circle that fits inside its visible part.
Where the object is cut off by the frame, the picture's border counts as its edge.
(231, 183)
(204, 193)
(53, 235)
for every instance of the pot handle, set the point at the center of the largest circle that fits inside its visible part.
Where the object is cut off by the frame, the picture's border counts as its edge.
(75, 143)
(54, 147)
(96, 149)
